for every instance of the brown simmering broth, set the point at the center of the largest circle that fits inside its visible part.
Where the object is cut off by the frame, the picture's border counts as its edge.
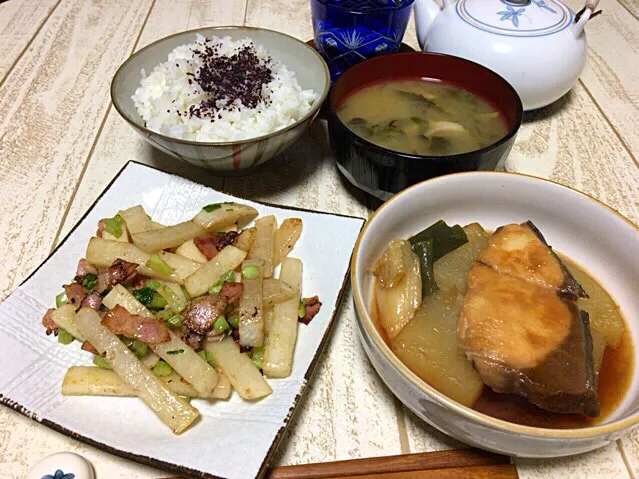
(614, 380)
(422, 117)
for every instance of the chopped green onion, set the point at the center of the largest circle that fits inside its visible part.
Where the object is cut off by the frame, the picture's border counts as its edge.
(175, 321)
(173, 352)
(143, 295)
(153, 284)
(225, 278)
(89, 281)
(158, 265)
(220, 325)
(157, 302)
(171, 298)
(162, 369)
(258, 356)
(211, 360)
(64, 337)
(206, 357)
(113, 226)
(100, 362)
(212, 207)
(186, 294)
(301, 310)
(61, 299)
(170, 317)
(165, 314)
(250, 272)
(228, 277)
(139, 348)
(234, 320)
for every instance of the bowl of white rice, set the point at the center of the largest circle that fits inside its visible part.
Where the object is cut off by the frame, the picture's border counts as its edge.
(223, 98)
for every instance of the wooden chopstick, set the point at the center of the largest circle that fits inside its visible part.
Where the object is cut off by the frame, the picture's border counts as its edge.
(500, 471)
(454, 464)
(460, 458)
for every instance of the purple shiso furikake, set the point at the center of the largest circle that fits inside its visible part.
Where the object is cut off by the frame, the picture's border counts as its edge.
(240, 76)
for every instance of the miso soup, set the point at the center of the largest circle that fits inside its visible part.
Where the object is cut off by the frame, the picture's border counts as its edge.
(422, 117)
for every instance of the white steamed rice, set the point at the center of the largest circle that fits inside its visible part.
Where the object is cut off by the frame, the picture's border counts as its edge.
(167, 90)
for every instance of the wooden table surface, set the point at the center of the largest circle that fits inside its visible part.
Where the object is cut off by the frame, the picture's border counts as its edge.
(61, 142)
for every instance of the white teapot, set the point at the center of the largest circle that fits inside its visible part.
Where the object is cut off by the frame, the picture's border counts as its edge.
(534, 44)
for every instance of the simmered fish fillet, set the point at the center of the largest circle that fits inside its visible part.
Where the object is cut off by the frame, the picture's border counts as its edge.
(524, 339)
(522, 251)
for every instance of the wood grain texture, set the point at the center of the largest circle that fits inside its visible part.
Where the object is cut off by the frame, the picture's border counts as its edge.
(51, 108)
(118, 143)
(23, 442)
(610, 78)
(389, 464)
(503, 471)
(347, 412)
(19, 22)
(605, 463)
(55, 104)
(631, 5)
(571, 143)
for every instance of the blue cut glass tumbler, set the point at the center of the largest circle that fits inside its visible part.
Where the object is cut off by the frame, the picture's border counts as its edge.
(348, 32)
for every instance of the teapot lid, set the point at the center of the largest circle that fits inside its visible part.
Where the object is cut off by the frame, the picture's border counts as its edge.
(516, 18)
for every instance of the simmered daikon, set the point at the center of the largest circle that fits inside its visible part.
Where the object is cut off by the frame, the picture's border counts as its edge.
(428, 346)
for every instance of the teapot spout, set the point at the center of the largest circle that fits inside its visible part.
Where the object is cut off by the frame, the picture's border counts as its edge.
(425, 13)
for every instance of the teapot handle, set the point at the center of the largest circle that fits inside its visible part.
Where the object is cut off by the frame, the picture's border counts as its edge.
(584, 15)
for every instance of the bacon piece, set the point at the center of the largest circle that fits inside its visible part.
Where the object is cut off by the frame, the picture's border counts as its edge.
(138, 281)
(100, 229)
(147, 330)
(231, 291)
(75, 294)
(48, 322)
(203, 311)
(212, 336)
(312, 307)
(192, 339)
(211, 244)
(93, 300)
(84, 268)
(103, 283)
(87, 346)
(235, 334)
(120, 271)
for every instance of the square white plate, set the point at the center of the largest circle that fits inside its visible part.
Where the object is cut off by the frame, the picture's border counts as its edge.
(233, 439)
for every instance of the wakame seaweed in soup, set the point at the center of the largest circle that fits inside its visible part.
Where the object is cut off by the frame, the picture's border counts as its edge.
(422, 117)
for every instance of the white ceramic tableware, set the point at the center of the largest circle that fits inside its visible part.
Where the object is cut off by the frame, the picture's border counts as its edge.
(534, 44)
(62, 465)
(233, 439)
(235, 157)
(588, 232)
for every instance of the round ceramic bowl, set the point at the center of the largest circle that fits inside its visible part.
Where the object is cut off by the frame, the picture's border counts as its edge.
(224, 157)
(382, 172)
(588, 232)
